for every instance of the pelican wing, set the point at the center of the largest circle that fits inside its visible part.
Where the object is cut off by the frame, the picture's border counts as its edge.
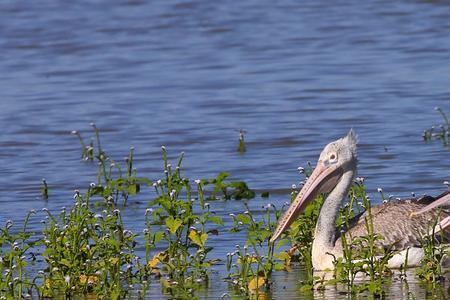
(393, 222)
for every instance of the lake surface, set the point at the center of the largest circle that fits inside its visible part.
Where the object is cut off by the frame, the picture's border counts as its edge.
(294, 75)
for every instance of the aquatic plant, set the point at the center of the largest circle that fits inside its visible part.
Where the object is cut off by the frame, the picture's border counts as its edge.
(87, 252)
(237, 190)
(439, 132)
(182, 222)
(14, 249)
(250, 267)
(114, 182)
(44, 189)
(431, 270)
(241, 147)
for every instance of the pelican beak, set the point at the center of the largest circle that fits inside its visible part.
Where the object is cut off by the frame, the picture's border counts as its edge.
(322, 180)
(441, 226)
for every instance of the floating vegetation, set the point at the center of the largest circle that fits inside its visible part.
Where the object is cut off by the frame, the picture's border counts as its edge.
(439, 132)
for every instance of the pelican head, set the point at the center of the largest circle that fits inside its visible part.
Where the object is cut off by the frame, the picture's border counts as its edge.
(336, 159)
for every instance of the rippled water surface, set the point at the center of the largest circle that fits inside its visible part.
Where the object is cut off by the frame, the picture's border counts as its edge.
(294, 74)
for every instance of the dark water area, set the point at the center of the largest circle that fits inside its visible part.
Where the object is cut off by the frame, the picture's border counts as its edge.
(189, 74)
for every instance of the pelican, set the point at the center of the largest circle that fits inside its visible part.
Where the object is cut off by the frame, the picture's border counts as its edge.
(334, 175)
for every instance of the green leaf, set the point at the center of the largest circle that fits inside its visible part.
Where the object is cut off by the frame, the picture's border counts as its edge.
(245, 219)
(173, 224)
(158, 236)
(198, 238)
(133, 188)
(65, 262)
(279, 267)
(282, 256)
(281, 243)
(216, 219)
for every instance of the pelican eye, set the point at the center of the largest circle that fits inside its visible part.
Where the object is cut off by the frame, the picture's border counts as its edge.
(333, 157)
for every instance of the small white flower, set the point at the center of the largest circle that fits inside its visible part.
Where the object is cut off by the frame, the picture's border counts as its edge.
(380, 190)
(197, 181)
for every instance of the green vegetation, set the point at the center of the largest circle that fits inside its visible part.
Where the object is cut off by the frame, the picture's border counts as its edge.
(241, 147)
(250, 267)
(431, 270)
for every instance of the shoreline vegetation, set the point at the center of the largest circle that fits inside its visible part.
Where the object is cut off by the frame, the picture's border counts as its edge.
(85, 249)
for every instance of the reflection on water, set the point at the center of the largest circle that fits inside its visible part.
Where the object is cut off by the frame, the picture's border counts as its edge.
(189, 74)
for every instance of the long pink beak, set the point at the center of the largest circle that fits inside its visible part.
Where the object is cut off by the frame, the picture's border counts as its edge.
(442, 200)
(322, 180)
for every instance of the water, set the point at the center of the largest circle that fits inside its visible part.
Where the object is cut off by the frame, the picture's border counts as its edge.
(188, 75)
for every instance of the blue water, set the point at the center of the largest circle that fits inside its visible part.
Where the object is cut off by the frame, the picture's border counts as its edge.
(189, 74)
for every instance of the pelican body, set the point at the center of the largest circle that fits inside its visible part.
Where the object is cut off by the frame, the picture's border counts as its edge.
(397, 221)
